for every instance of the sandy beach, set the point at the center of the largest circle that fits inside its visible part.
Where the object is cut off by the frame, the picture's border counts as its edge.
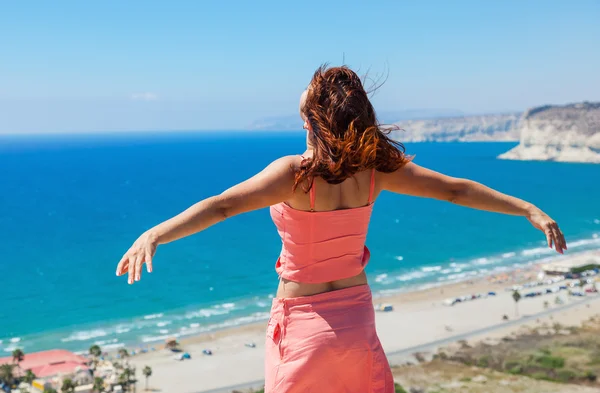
(419, 318)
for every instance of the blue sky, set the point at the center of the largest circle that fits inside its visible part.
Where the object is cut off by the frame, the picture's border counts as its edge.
(75, 66)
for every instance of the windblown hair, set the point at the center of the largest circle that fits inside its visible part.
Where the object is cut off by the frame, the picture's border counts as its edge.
(346, 136)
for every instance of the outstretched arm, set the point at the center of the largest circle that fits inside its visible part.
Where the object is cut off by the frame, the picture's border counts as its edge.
(415, 180)
(272, 185)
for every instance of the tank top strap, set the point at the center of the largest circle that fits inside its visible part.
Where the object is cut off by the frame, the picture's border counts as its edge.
(372, 187)
(312, 196)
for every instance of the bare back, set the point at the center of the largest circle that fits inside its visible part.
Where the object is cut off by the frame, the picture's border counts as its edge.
(351, 193)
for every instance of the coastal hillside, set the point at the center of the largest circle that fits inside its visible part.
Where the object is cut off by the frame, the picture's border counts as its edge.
(294, 122)
(426, 126)
(484, 128)
(568, 133)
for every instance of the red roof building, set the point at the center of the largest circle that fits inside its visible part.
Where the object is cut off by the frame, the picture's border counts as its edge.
(48, 363)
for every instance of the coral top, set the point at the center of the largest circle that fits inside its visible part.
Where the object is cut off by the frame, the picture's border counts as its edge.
(322, 246)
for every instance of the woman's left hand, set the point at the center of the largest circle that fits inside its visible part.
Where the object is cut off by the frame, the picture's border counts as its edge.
(544, 223)
(140, 252)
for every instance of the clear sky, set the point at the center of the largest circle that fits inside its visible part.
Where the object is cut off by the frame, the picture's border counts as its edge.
(80, 66)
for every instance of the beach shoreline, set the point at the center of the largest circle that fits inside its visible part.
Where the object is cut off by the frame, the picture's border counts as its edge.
(420, 316)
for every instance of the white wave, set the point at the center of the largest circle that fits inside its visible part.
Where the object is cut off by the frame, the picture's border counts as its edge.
(509, 254)
(261, 304)
(596, 221)
(484, 261)
(163, 331)
(194, 325)
(163, 323)
(112, 346)
(153, 316)
(537, 251)
(400, 258)
(85, 335)
(148, 339)
(205, 313)
(411, 276)
(228, 306)
(431, 269)
(0, 341)
(381, 277)
(583, 242)
(15, 339)
(459, 265)
(106, 342)
(121, 330)
(595, 236)
(446, 271)
(457, 277)
(10, 348)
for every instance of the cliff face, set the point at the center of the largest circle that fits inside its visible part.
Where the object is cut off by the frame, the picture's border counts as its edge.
(460, 129)
(559, 133)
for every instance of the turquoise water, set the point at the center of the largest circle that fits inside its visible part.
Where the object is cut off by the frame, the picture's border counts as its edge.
(71, 205)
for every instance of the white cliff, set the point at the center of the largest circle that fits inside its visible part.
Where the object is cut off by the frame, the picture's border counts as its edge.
(484, 128)
(559, 133)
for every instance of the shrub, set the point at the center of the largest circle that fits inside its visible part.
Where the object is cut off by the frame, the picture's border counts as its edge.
(541, 375)
(590, 376)
(483, 361)
(550, 362)
(508, 365)
(398, 388)
(518, 369)
(565, 375)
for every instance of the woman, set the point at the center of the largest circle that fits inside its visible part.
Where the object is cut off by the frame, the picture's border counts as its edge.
(321, 334)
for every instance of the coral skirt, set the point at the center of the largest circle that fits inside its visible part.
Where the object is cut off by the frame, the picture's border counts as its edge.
(326, 343)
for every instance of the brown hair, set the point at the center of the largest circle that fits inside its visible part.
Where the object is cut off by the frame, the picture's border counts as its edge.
(346, 136)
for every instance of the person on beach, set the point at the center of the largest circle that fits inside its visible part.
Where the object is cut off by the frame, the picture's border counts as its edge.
(321, 333)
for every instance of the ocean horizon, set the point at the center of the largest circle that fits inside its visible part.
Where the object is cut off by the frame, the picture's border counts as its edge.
(71, 205)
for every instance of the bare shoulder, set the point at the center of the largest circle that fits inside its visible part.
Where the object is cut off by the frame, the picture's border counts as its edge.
(285, 165)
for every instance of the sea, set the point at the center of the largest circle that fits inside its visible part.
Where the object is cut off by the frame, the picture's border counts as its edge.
(71, 205)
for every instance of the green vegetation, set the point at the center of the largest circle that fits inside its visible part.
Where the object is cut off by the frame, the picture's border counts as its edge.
(98, 385)
(95, 350)
(18, 356)
(29, 376)
(147, 371)
(516, 297)
(545, 353)
(7, 374)
(67, 386)
(398, 389)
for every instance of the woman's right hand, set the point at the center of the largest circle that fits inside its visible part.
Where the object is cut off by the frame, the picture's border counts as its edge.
(142, 251)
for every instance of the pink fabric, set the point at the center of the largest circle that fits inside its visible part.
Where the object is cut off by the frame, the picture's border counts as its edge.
(326, 343)
(322, 246)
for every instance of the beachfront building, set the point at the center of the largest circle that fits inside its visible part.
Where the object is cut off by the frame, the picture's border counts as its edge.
(574, 265)
(50, 367)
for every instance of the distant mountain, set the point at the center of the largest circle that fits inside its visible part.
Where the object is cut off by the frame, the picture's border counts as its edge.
(559, 133)
(389, 117)
(277, 123)
(482, 128)
(421, 125)
(294, 122)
